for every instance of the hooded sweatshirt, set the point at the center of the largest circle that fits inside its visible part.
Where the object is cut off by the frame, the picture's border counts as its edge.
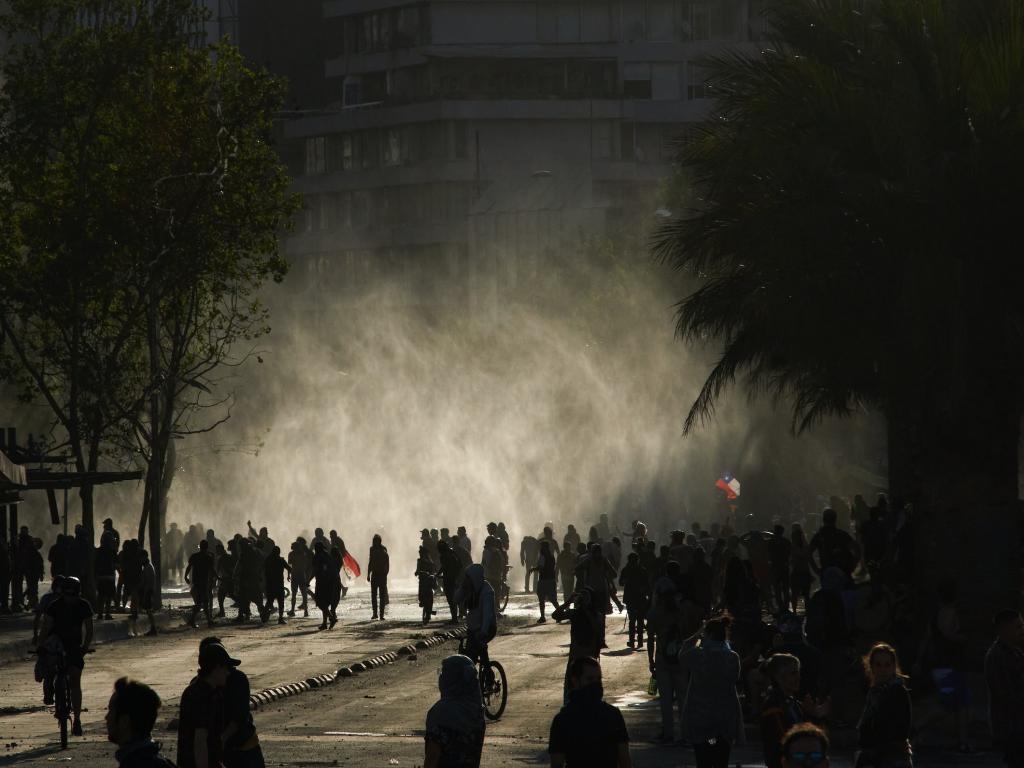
(456, 722)
(482, 617)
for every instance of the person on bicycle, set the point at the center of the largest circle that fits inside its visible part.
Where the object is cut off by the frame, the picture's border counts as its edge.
(482, 618)
(69, 619)
(44, 670)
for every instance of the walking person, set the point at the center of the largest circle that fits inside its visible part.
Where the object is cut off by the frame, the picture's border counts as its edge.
(547, 584)
(198, 573)
(327, 591)
(377, 568)
(780, 550)
(665, 645)
(455, 728)
(566, 562)
(274, 568)
(450, 577)
(800, 576)
(943, 657)
(584, 632)
(712, 718)
(131, 715)
(883, 733)
(1004, 674)
(427, 581)
(301, 561)
(636, 584)
(147, 595)
(588, 732)
(105, 568)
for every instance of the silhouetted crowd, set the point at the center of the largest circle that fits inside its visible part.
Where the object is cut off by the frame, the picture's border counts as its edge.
(789, 633)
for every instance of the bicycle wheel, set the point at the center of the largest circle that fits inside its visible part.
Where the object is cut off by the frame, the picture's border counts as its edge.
(494, 691)
(504, 598)
(62, 707)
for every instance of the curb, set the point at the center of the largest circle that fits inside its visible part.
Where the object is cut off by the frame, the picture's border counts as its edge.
(287, 690)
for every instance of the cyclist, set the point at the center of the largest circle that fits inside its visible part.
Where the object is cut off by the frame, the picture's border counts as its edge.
(69, 619)
(44, 671)
(482, 619)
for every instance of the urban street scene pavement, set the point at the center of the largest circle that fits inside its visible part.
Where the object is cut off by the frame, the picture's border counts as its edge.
(459, 383)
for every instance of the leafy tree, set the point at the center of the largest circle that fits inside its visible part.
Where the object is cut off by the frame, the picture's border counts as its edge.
(144, 198)
(853, 235)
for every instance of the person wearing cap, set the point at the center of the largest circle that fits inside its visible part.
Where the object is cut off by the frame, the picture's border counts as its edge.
(199, 743)
(241, 744)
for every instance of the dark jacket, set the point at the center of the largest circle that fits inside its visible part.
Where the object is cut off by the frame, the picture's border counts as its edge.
(884, 727)
(141, 754)
(1004, 673)
(636, 586)
(379, 562)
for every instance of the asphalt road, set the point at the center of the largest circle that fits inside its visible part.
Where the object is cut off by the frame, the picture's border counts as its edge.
(373, 719)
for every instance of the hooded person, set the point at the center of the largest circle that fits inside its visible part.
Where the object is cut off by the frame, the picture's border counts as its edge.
(455, 724)
(482, 618)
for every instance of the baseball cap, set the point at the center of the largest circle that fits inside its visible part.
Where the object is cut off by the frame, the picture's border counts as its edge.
(215, 655)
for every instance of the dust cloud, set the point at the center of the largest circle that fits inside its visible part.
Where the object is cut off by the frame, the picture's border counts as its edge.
(562, 402)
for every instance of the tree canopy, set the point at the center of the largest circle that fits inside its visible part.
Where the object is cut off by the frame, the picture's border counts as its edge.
(141, 203)
(857, 183)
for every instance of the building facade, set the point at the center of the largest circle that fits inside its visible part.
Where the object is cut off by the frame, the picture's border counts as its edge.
(476, 136)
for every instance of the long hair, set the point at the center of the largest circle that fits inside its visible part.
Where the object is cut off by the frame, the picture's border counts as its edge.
(876, 649)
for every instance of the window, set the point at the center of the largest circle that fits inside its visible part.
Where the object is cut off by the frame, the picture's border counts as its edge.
(460, 148)
(660, 21)
(636, 89)
(696, 83)
(360, 209)
(627, 141)
(369, 149)
(352, 91)
(347, 153)
(697, 21)
(316, 155)
(324, 213)
(407, 27)
(601, 140)
(392, 147)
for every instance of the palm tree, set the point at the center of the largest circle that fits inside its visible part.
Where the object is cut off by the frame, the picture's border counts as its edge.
(856, 240)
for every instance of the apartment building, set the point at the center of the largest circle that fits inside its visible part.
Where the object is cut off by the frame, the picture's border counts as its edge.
(474, 137)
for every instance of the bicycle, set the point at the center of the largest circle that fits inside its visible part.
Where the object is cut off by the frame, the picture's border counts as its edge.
(62, 707)
(503, 590)
(493, 685)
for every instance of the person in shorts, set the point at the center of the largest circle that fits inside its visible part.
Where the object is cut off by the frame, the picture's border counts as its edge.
(69, 620)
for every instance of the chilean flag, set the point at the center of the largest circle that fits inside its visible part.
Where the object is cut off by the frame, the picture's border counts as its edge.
(351, 566)
(730, 485)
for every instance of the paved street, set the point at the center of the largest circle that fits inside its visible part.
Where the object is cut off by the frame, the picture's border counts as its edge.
(373, 719)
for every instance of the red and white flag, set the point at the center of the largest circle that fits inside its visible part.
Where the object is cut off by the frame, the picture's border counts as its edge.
(730, 485)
